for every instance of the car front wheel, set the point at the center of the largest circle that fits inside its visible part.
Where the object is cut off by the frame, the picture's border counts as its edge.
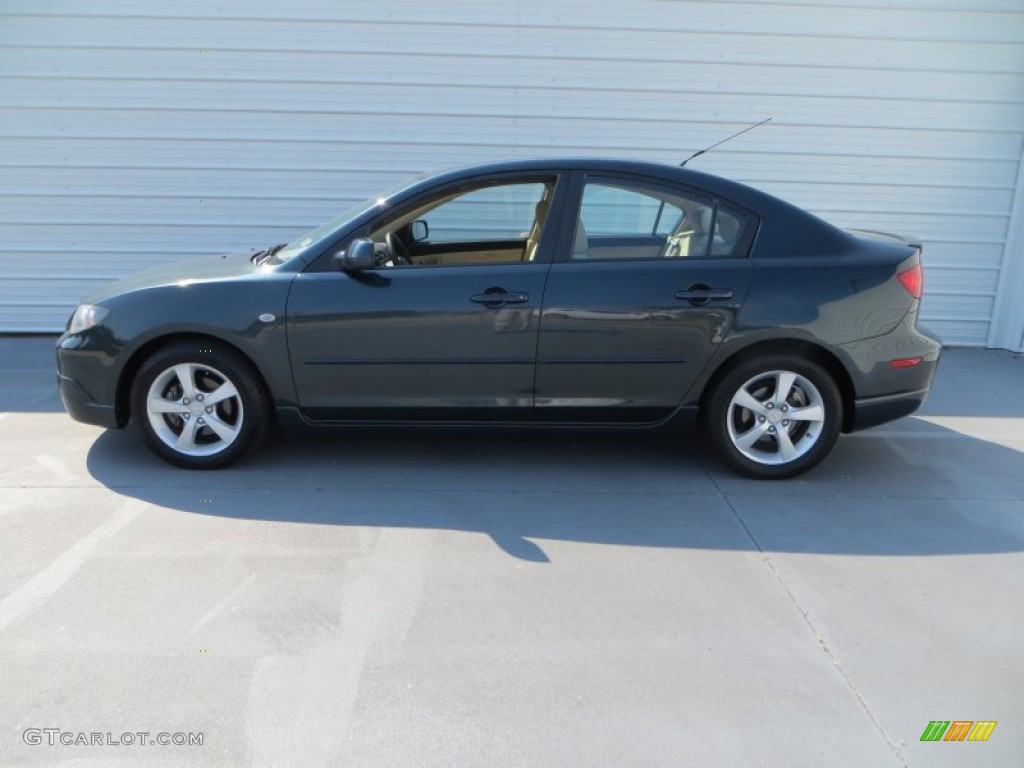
(774, 416)
(199, 404)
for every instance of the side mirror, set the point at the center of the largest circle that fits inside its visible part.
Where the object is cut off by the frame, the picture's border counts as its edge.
(359, 256)
(419, 231)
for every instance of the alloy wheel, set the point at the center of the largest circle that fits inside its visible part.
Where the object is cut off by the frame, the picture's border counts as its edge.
(194, 409)
(776, 417)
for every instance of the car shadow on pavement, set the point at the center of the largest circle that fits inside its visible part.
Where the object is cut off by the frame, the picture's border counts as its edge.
(912, 489)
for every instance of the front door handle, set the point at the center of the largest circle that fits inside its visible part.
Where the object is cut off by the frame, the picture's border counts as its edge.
(496, 297)
(700, 294)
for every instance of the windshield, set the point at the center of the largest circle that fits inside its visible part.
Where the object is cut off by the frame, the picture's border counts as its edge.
(326, 230)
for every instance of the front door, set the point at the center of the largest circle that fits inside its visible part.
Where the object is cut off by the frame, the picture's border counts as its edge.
(638, 299)
(445, 329)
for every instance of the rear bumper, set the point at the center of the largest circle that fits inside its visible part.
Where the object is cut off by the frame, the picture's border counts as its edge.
(884, 393)
(83, 408)
(872, 411)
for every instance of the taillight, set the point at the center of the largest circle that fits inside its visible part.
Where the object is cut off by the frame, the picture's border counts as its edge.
(913, 280)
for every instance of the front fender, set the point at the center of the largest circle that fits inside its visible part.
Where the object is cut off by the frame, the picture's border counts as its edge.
(228, 310)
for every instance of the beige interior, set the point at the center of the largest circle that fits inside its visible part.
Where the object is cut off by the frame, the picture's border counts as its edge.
(540, 216)
(471, 257)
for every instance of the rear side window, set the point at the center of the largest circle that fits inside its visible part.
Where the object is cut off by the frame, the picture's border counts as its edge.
(610, 211)
(730, 226)
(620, 219)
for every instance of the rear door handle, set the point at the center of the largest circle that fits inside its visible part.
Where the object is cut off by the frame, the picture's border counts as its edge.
(709, 293)
(496, 298)
(703, 294)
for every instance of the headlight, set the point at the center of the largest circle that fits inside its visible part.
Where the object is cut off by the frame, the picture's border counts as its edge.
(85, 317)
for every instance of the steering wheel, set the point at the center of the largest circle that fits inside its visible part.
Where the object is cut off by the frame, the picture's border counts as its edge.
(398, 250)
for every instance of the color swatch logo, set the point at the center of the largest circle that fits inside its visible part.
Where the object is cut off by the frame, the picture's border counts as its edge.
(958, 730)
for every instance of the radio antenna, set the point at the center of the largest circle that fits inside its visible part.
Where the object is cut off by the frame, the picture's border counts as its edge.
(730, 138)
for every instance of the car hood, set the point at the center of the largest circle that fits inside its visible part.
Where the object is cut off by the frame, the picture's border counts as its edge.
(224, 267)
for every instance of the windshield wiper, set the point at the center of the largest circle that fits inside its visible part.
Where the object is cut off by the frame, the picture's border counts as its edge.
(261, 257)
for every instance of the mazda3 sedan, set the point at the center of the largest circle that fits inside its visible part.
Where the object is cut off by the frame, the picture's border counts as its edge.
(572, 292)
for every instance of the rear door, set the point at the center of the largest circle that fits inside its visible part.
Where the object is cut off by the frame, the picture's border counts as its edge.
(646, 283)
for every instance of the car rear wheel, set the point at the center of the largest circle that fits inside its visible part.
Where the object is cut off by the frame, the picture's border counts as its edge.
(199, 404)
(774, 416)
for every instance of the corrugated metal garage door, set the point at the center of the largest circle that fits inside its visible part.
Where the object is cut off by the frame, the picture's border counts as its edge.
(135, 133)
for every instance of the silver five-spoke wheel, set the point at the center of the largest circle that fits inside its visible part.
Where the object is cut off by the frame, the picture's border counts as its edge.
(199, 403)
(194, 409)
(776, 417)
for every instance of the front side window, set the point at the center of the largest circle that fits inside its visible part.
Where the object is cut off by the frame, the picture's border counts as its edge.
(489, 214)
(491, 223)
(630, 220)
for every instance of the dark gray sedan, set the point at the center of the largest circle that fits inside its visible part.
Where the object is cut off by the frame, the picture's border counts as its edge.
(597, 293)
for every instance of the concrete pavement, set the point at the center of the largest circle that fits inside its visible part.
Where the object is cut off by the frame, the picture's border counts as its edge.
(434, 599)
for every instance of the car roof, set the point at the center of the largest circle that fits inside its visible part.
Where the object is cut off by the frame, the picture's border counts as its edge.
(785, 229)
(672, 173)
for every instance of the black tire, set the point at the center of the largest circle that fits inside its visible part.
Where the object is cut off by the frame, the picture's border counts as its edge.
(773, 455)
(218, 433)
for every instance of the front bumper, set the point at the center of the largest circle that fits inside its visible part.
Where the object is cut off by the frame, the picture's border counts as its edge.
(86, 380)
(83, 408)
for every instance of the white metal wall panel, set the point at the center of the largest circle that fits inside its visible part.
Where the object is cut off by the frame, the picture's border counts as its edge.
(1007, 328)
(121, 119)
